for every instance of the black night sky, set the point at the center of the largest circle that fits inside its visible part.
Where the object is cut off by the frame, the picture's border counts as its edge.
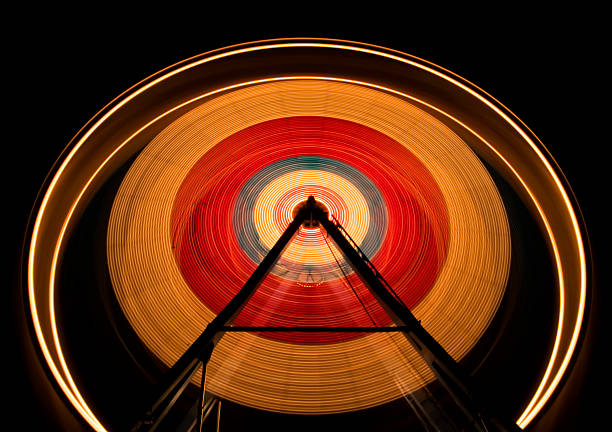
(547, 70)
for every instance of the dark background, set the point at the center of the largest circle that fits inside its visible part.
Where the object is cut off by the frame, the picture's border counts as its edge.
(547, 68)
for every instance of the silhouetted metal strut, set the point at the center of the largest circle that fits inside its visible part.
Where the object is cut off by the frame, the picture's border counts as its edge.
(311, 214)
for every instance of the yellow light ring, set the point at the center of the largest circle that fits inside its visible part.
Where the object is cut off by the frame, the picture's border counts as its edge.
(46, 230)
(315, 250)
(456, 311)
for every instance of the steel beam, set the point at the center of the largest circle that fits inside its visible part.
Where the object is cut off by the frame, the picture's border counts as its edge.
(181, 372)
(446, 369)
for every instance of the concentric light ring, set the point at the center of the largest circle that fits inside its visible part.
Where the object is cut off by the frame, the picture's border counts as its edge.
(468, 287)
(46, 233)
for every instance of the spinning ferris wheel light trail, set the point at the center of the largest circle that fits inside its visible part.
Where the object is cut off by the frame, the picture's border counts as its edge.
(396, 166)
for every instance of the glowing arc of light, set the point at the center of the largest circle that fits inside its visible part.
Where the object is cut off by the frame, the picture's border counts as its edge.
(56, 254)
(74, 396)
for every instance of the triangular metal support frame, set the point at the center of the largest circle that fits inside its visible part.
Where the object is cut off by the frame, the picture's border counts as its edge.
(311, 213)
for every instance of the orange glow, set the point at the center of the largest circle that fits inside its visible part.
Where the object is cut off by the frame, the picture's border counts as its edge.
(552, 376)
(311, 252)
(468, 289)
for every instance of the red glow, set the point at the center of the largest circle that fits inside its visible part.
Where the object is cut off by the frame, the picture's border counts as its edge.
(213, 264)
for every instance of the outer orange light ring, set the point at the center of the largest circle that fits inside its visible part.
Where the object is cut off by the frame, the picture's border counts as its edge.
(552, 376)
(158, 303)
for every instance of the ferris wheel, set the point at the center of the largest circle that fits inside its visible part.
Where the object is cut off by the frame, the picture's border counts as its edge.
(306, 230)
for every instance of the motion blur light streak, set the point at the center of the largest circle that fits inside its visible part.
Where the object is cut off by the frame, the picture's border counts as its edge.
(260, 215)
(439, 235)
(193, 305)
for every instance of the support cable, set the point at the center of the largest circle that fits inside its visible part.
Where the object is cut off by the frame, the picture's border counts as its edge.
(368, 262)
(218, 414)
(206, 410)
(348, 281)
(201, 399)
